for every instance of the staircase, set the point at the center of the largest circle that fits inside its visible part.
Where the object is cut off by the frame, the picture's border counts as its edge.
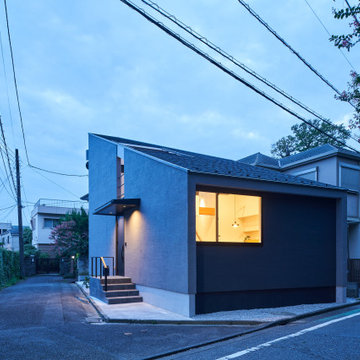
(120, 290)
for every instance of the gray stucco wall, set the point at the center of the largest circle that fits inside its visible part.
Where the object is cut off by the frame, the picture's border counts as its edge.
(327, 170)
(102, 188)
(156, 235)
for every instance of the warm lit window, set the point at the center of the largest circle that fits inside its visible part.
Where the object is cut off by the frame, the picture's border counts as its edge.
(228, 218)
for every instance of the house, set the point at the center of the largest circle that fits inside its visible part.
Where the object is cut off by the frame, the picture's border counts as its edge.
(9, 236)
(45, 216)
(200, 234)
(331, 165)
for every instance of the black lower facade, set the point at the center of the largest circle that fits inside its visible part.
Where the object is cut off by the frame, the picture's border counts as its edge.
(227, 301)
(294, 264)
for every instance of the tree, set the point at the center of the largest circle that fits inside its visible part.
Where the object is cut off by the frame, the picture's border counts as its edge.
(29, 249)
(71, 236)
(347, 41)
(305, 137)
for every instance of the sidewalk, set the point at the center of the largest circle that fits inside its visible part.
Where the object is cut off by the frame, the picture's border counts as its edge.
(146, 313)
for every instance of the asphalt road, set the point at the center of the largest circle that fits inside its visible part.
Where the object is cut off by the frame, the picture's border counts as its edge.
(334, 335)
(45, 317)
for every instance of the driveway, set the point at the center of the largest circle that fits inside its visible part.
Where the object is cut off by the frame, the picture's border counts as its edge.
(45, 317)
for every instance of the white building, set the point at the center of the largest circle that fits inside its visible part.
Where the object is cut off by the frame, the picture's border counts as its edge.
(9, 236)
(45, 216)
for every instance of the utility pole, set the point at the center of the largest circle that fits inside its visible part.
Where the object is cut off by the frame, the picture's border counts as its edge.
(21, 239)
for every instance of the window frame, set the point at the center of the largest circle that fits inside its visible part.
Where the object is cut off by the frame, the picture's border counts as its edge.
(218, 191)
(51, 227)
(349, 166)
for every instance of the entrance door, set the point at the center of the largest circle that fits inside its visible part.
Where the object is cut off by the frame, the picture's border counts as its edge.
(120, 256)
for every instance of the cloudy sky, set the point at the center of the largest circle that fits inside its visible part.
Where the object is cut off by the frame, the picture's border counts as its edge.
(97, 66)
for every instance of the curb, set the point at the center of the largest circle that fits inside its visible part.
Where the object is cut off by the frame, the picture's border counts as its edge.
(103, 316)
(263, 327)
(214, 322)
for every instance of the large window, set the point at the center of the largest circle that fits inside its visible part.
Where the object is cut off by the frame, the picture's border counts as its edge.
(231, 218)
(50, 223)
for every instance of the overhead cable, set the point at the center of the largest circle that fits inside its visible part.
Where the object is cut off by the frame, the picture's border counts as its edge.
(207, 57)
(7, 154)
(19, 107)
(236, 62)
(15, 81)
(351, 9)
(284, 42)
(328, 32)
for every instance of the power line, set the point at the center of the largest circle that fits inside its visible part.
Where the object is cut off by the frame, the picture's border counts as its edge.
(6, 85)
(236, 62)
(57, 172)
(7, 153)
(10, 211)
(283, 41)
(60, 186)
(328, 32)
(3, 186)
(198, 51)
(351, 10)
(15, 81)
(3, 209)
(18, 103)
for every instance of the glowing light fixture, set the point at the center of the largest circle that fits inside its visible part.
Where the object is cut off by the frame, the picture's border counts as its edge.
(235, 223)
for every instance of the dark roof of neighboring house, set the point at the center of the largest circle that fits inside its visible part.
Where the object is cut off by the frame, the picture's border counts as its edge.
(260, 159)
(15, 229)
(200, 163)
(317, 151)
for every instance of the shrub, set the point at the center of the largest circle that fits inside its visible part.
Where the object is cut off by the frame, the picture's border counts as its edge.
(9, 268)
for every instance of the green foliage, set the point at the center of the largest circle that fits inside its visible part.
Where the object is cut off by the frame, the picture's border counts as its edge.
(347, 41)
(86, 282)
(71, 236)
(305, 137)
(9, 268)
(27, 235)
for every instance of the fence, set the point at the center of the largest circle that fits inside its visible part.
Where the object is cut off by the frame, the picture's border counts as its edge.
(354, 270)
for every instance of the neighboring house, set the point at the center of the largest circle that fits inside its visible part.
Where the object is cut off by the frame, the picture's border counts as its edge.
(199, 234)
(9, 236)
(327, 164)
(45, 216)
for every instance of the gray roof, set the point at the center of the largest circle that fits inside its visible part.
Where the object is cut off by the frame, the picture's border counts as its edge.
(260, 159)
(200, 163)
(318, 151)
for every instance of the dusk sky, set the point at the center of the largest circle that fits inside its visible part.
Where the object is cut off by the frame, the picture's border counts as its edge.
(97, 66)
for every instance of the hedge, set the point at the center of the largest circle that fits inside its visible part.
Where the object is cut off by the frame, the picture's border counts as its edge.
(9, 267)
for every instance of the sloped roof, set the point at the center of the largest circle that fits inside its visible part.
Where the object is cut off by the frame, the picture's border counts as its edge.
(260, 159)
(318, 151)
(199, 163)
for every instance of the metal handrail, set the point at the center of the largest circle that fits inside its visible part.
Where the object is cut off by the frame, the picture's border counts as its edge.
(104, 269)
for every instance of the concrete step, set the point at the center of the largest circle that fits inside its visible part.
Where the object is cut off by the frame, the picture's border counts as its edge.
(116, 293)
(116, 280)
(127, 286)
(124, 299)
